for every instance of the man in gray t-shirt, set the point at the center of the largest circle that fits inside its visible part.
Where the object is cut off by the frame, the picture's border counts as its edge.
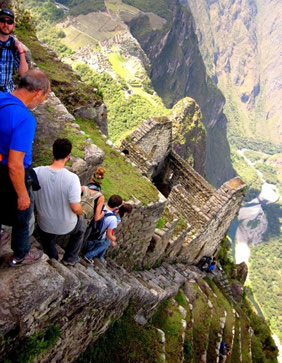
(58, 205)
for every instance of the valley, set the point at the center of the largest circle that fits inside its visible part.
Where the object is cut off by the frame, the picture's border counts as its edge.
(135, 54)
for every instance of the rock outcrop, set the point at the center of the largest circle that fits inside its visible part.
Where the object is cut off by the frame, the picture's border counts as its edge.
(178, 71)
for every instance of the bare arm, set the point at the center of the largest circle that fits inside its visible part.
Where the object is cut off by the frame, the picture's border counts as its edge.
(98, 213)
(76, 208)
(23, 66)
(111, 237)
(17, 174)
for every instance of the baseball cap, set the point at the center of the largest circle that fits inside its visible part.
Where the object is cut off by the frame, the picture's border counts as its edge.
(7, 13)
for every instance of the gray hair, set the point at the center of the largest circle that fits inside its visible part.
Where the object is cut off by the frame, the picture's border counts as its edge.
(34, 80)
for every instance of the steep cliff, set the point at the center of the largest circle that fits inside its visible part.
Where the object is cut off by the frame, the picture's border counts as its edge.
(178, 71)
(49, 312)
(240, 44)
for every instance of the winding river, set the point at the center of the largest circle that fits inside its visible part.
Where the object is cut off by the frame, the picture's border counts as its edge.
(252, 223)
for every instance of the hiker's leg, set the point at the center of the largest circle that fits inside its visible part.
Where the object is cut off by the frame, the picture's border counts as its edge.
(99, 248)
(75, 241)
(90, 245)
(107, 244)
(20, 243)
(48, 242)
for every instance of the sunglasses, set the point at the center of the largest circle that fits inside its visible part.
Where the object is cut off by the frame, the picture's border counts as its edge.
(5, 21)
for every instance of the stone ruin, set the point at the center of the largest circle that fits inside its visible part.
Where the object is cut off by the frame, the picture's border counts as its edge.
(208, 212)
(82, 301)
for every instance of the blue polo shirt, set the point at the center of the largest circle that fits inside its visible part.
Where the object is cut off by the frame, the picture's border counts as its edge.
(17, 128)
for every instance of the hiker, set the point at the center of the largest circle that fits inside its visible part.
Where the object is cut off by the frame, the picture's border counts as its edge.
(209, 264)
(59, 211)
(101, 239)
(94, 188)
(12, 52)
(92, 201)
(124, 210)
(17, 130)
(224, 351)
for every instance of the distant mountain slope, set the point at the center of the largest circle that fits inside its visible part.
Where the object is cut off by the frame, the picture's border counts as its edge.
(240, 44)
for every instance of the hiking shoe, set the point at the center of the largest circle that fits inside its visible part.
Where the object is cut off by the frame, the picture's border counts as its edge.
(88, 260)
(4, 238)
(31, 257)
(70, 263)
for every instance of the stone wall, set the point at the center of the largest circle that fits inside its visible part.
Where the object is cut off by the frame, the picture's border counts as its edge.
(229, 198)
(154, 138)
(81, 300)
(135, 233)
(208, 212)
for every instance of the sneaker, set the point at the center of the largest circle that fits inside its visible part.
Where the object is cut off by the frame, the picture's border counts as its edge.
(4, 238)
(70, 263)
(31, 257)
(88, 260)
(103, 261)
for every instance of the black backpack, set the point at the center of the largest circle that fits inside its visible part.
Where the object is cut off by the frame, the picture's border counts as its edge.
(11, 47)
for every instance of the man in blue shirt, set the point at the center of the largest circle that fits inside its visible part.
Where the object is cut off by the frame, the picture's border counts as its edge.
(17, 130)
(12, 52)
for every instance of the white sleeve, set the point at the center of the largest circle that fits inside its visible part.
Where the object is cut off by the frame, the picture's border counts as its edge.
(74, 190)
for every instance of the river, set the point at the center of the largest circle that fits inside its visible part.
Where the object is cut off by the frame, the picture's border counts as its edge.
(251, 224)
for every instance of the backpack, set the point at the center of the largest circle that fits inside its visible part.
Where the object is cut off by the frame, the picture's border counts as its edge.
(89, 204)
(11, 47)
(98, 228)
(94, 231)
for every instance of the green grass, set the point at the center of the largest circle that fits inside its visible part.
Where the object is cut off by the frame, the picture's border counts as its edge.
(263, 346)
(188, 343)
(124, 114)
(167, 217)
(202, 319)
(227, 334)
(121, 177)
(168, 318)
(125, 341)
(64, 82)
(34, 346)
(236, 350)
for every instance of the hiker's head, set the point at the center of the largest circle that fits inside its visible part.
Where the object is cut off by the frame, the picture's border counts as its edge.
(98, 175)
(61, 149)
(114, 201)
(125, 209)
(36, 86)
(7, 21)
(214, 259)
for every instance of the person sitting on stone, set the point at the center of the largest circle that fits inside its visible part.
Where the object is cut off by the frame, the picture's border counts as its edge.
(104, 236)
(59, 210)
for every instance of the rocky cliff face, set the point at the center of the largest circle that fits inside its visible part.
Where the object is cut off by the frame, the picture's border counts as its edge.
(177, 71)
(240, 44)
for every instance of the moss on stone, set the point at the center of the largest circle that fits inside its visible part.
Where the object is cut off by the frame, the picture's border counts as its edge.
(34, 346)
(125, 341)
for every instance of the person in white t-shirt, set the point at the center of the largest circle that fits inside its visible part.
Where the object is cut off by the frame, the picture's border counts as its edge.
(97, 248)
(59, 210)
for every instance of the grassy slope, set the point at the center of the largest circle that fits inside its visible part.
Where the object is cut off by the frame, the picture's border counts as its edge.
(73, 93)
